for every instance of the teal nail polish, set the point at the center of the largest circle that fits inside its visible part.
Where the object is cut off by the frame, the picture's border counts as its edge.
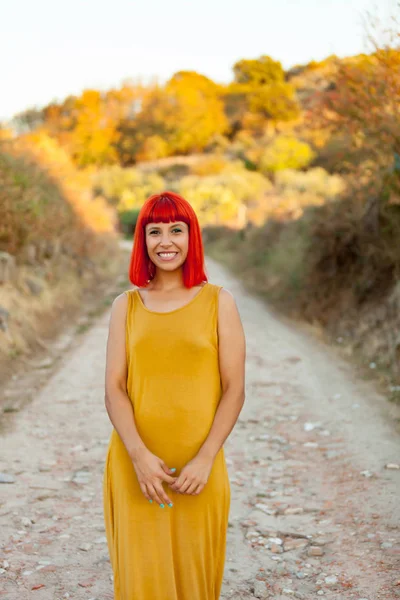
(170, 504)
(173, 469)
(162, 505)
(150, 501)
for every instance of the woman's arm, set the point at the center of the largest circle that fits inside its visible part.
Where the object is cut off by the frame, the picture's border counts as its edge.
(118, 405)
(232, 356)
(150, 469)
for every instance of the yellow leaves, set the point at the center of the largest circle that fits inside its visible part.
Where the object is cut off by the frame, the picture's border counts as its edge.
(260, 93)
(152, 148)
(285, 153)
(220, 198)
(258, 72)
(95, 131)
(213, 201)
(5, 134)
(276, 102)
(212, 165)
(126, 188)
(198, 112)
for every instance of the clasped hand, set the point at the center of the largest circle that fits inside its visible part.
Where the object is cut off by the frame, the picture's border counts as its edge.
(151, 471)
(193, 476)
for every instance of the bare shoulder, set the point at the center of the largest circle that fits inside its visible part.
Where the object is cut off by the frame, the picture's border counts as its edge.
(120, 304)
(227, 300)
(228, 313)
(230, 326)
(121, 299)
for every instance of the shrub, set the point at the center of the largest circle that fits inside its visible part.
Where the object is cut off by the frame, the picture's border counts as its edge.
(285, 153)
(314, 181)
(126, 188)
(43, 198)
(226, 197)
(209, 166)
(128, 220)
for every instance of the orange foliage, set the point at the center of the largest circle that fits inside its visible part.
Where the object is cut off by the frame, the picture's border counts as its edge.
(43, 198)
(364, 101)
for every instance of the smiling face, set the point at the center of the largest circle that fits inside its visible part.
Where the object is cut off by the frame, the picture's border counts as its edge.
(167, 244)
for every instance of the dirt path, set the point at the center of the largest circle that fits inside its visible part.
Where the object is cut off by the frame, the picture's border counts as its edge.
(313, 513)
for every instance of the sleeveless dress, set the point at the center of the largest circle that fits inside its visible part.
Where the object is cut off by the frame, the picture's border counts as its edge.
(174, 385)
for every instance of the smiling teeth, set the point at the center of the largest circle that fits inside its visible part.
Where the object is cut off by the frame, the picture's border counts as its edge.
(167, 254)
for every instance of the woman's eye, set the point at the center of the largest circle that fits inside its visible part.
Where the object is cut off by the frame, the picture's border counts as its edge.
(176, 229)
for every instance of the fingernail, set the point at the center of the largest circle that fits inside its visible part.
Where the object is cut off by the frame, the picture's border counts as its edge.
(162, 505)
(170, 504)
(150, 501)
(174, 469)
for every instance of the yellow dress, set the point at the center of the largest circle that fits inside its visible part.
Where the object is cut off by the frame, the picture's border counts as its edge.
(174, 385)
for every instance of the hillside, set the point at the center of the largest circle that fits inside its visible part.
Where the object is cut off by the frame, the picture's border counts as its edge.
(56, 244)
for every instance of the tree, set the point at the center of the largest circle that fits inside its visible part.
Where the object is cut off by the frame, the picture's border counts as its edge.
(198, 113)
(258, 72)
(285, 153)
(28, 120)
(275, 102)
(145, 133)
(179, 118)
(259, 95)
(364, 102)
(95, 131)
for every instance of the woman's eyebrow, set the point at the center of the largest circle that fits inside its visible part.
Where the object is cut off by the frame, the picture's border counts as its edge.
(179, 224)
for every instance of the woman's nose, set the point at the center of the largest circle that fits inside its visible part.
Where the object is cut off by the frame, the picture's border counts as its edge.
(165, 242)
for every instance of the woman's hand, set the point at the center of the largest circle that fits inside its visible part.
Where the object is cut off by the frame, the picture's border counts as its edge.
(193, 476)
(151, 471)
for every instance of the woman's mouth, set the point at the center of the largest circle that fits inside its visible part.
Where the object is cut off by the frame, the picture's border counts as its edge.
(167, 255)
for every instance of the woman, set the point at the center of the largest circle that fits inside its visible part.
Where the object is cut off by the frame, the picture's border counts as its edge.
(174, 388)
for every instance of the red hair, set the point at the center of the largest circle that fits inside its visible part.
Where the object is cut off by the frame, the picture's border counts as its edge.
(167, 207)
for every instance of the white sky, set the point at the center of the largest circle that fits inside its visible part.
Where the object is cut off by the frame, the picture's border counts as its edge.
(51, 49)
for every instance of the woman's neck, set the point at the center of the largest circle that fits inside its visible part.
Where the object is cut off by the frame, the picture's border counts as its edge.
(164, 280)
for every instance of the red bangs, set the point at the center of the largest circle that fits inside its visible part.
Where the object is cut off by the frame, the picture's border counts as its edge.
(166, 208)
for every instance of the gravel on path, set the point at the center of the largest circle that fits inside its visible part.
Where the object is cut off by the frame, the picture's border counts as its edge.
(313, 463)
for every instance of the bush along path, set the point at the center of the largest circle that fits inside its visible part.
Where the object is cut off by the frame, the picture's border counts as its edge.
(313, 463)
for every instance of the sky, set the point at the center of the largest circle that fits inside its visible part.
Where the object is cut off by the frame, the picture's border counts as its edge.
(49, 50)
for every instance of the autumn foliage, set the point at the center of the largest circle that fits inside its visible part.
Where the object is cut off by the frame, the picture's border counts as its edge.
(137, 123)
(301, 166)
(44, 200)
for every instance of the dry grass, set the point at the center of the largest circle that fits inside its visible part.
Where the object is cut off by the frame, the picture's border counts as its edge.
(43, 199)
(336, 267)
(34, 320)
(62, 239)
